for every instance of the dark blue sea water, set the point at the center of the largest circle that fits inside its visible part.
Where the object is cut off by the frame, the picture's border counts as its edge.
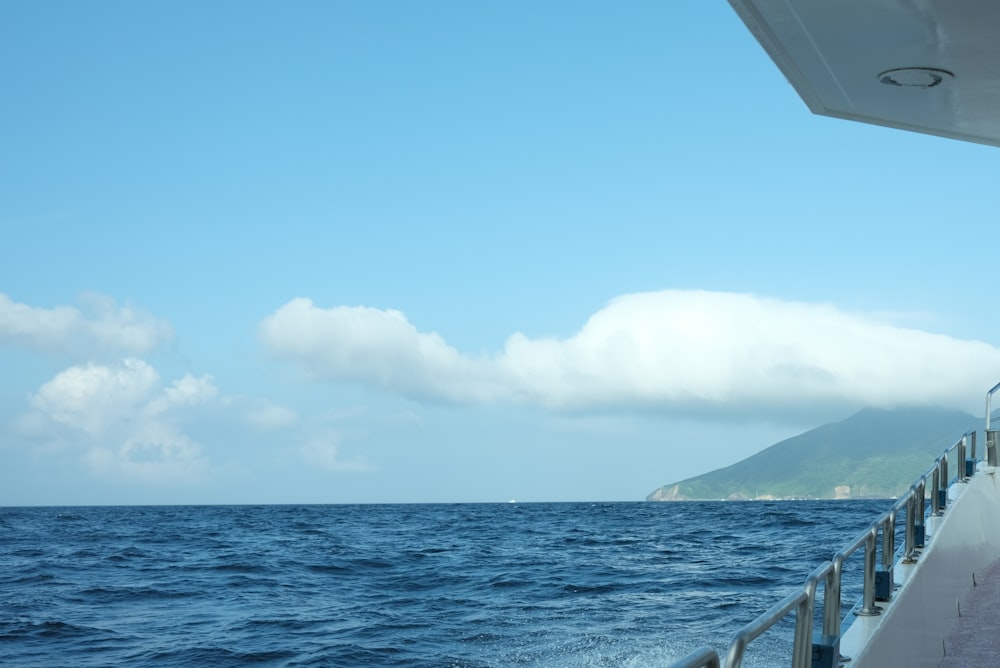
(569, 584)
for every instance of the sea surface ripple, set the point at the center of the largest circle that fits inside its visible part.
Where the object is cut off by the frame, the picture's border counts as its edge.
(464, 585)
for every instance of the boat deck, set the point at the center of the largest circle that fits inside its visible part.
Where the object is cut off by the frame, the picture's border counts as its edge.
(972, 641)
(936, 612)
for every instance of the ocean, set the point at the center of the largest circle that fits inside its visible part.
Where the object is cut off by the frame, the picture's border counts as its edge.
(464, 585)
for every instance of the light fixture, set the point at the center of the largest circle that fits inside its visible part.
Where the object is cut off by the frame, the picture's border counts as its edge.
(915, 77)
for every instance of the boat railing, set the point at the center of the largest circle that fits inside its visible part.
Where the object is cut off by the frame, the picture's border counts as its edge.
(991, 434)
(703, 657)
(878, 575)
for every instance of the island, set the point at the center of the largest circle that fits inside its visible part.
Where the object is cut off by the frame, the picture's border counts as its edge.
(875, 453)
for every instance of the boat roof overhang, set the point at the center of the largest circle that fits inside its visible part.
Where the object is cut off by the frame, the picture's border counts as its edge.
(929, 66)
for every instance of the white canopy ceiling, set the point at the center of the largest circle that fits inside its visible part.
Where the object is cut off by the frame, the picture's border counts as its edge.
(924, 65)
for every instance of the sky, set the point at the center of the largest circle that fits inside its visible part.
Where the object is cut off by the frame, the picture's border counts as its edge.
(395, 252)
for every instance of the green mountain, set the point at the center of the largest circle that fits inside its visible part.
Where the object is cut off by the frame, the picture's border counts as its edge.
(873, 454)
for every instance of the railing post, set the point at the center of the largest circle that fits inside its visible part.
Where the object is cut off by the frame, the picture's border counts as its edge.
(936, 490)
(703, 657)
(960, 463)
(911, 527)
(831, 598)
(884, 577)
(889, 538)
(869, 608)
(942, 493)
(802, 649)
(991, 434)
(921, 531)
(734, 657)
(969, 443)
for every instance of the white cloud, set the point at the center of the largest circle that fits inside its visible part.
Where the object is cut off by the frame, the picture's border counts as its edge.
(126, 425)
(188, 391)
(673, 350)
(122, 419)
(99, 326)
(93, 396)
(374, 347)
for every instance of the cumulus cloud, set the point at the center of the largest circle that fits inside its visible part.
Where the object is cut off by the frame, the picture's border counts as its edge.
(673, 350)
(375, 347)
(93, 396)
(125, 424)
(187, 391)
(97, 326)
(123, 419)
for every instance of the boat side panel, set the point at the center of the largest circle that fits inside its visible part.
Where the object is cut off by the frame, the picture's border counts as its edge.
(962, 544)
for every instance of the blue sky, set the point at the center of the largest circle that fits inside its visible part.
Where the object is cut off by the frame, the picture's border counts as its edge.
(434, 252)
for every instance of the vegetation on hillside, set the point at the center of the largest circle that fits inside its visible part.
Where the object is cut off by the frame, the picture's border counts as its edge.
(872, 454)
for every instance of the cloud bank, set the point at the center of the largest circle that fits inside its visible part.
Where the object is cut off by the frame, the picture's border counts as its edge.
(99, 326)
(672, 351)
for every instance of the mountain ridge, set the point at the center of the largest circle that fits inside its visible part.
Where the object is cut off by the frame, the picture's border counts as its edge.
(875, 453)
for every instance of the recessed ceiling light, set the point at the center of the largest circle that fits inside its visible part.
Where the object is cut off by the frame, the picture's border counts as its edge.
(915, 77)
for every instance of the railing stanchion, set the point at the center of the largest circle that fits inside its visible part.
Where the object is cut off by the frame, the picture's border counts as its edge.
(869, 608)
(802, 649)
(936, 490)
(991, 435)
(922, 499)
(703, 657)
(831, 597)
(888, 539)
(960, 474)
(943, 481)
(911, 527)
(884, 577)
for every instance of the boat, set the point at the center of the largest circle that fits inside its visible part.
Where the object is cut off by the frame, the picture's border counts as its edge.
(922, 66)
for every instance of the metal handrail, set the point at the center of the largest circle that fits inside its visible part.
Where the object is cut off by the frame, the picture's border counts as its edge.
(703, 657)
(831, 606)
(991, 435)
(802, 602)
(831, 572)
(989, 399)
